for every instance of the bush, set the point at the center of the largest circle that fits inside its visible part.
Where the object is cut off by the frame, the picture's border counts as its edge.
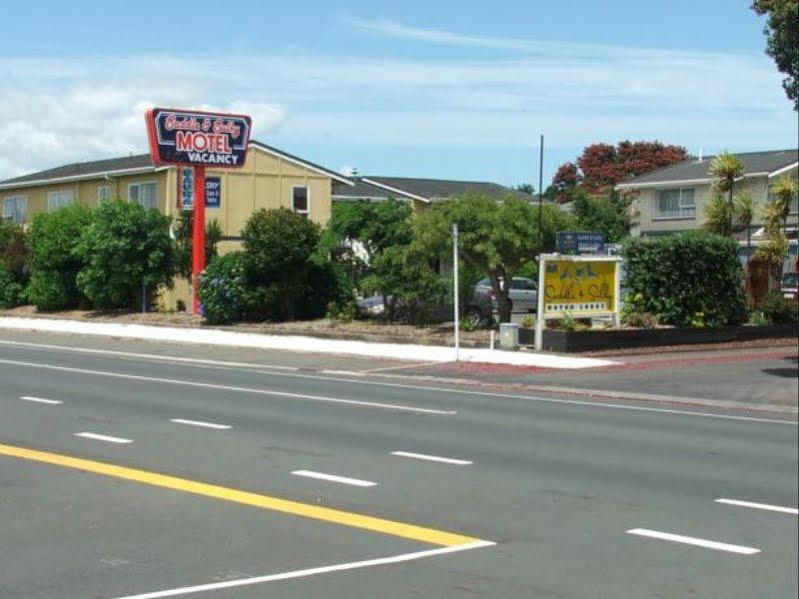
(14, 250)
(124, 248)
(687, 279)
(402, 275)
(54, 266)
(640, 320)
(10, 289)
(278, 246)
(222, 291)
(779, 310)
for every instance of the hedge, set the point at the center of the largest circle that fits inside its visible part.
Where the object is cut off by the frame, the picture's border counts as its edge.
(687, 279)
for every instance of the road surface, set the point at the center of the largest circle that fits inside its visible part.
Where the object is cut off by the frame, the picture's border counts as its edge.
(125, 473)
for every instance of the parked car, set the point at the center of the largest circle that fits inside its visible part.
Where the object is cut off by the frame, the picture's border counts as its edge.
(790, 284)
(523, 295)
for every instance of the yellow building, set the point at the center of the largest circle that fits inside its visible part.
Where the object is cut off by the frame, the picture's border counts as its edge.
(270, 178)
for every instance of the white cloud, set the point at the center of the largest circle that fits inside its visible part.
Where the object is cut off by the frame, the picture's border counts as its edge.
(64, 110)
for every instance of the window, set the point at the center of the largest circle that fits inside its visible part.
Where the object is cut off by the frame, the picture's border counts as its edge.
(143, 194)
(15, 209)
(675, 203)
(299, 199)
(58, 199)
(103, 194)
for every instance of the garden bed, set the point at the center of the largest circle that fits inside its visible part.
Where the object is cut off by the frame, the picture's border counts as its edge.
(593, 340)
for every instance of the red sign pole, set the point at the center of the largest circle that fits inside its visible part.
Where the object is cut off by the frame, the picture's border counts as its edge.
(198, 234)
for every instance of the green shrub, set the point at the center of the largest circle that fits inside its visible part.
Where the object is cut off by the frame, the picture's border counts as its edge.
(14, 250)
(779, 310)
(528, 322)
(222, 292)
(54, 265)
(278, 247)
(757, 318)
(124, 248)
(687, 279)
(640, 320)
(10, 289)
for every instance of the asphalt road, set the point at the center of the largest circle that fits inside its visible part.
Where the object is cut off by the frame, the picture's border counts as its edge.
(557, 485)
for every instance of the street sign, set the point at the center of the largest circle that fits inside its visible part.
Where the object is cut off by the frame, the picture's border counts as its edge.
(194, 138)
(579, 242)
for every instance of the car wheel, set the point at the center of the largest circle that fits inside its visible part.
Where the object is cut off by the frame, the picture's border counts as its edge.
(474, 316)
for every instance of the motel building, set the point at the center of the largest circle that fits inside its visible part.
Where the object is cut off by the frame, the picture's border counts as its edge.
(269, 179)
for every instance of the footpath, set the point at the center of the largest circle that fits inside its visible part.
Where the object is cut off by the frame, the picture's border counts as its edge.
(298, 343)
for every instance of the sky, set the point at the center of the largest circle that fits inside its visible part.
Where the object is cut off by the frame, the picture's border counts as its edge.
(443, 89)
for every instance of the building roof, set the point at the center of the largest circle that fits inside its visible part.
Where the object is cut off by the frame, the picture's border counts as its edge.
(425, 190)
(140, 163)
(696, 171)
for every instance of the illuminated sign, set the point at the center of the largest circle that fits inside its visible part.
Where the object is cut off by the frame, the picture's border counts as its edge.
(192, 138)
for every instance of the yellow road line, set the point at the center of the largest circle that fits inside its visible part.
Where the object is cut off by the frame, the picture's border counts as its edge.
(389, 527)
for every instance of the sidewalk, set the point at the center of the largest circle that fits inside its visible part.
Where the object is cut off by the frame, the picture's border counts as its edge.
(211, 336)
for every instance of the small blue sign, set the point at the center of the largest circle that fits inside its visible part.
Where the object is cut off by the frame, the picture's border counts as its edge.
(579, 242)
(213, 190)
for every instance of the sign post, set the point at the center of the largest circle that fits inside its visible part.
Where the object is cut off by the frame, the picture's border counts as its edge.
(197, 139)
(455, 289)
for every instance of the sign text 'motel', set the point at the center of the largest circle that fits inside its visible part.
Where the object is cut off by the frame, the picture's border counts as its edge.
(195, 138)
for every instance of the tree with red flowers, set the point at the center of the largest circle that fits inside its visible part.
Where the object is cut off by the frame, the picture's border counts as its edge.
(601, 166)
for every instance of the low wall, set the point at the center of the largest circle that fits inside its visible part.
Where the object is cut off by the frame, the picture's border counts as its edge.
(576, 341)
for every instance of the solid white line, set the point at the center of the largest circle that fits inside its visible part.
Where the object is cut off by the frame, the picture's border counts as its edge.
(97, 437)
(198, 423)
(396, 559)
(666, 536)
(431, 458)
(760, 506)
(155, 357)
(335, 479)
(52, 402)
(532, 398)
(135, 377)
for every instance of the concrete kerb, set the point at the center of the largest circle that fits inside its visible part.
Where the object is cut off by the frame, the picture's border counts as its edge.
(296, 343)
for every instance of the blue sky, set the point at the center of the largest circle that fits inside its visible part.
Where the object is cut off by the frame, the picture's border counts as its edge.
(429, 89)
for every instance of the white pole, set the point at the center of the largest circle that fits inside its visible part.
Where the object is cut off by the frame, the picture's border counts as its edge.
(539, 314)
(455, 270)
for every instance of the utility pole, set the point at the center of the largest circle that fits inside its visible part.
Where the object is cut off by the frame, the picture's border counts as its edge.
(540, 192)
(455, 277)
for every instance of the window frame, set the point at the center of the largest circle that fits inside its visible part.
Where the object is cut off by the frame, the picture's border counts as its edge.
(307, 211)
(58, 192)
(138, 201)
(12, 217)
(100, 190)
(657, 214)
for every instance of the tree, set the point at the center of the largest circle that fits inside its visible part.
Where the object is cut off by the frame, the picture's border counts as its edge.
(782, 41)
(601, 166)
(278, 250)
(376, 225)
(402, 275)
(565, 181)
(775, 215)
(54, 266)
(496, 237)
(724, 170)
(124, 250)
(608, 213)
(184, 242)
(525, 188)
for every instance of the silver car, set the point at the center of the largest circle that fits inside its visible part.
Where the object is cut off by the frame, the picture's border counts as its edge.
(523, 295)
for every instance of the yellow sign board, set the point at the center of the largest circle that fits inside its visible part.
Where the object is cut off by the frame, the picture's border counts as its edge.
(579, 288)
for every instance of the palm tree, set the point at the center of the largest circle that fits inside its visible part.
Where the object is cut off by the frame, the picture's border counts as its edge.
(783, 192)
(724, 170)
(775, 215)
(744, 209)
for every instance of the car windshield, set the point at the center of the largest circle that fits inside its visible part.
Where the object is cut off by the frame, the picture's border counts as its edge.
(790, 279)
